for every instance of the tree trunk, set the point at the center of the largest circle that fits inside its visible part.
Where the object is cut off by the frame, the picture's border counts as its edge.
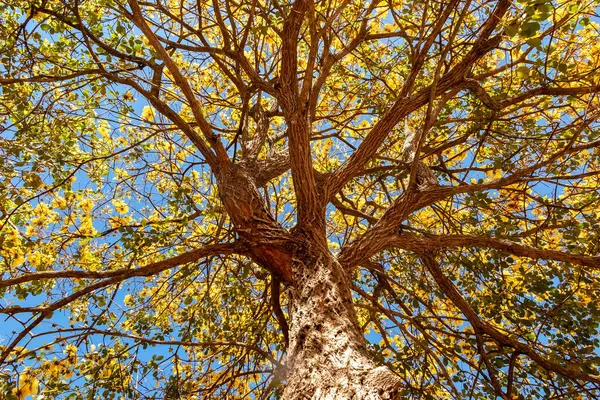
(327, 356)
(327, 353)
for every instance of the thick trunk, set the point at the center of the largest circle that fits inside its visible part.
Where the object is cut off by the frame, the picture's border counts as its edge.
(327, 356)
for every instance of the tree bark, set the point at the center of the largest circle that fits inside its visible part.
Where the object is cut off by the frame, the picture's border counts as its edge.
(268, 244)
(327, 356)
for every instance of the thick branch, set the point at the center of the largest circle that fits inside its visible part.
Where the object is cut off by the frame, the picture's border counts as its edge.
(419, 244)
(483, 96)
(310, 208)
(289, 50)
(265, 170)
(378, 237)
(269, 245)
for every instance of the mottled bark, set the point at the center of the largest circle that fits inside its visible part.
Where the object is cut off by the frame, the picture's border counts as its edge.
(327, 356)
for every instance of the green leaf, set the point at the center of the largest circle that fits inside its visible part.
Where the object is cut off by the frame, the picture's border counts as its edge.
(540, 16)
(529, 29)
(534, 42)
(562, 67)
(511, 30)
(523, 72)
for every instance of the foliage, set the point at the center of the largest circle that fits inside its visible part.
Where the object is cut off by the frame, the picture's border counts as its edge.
(124, 276)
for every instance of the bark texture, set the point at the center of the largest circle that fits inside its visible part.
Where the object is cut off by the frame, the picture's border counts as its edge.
(327, 356)
(327, 353)
(269, 245)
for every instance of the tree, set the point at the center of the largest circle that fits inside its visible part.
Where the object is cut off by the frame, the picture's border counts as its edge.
(327, 200)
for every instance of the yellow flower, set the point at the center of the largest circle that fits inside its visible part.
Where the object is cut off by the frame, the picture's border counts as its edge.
(148, 113)
(71, 351)
(42, 210)
(59, 202)
(86, 226)
(120, 174)
(28, 385)
(116, 222)
(128, 300)
(35, 259)
(89, 260)
(86, 205)
(18, 260)
(127, 96)
(120, 206)
(104, 129)
(41, 259)
(494, 174)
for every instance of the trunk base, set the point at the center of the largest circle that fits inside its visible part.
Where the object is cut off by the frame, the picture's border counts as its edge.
(329, 384)
(327, 356)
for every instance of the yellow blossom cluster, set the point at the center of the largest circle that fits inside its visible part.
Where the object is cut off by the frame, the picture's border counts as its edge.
(11, 249)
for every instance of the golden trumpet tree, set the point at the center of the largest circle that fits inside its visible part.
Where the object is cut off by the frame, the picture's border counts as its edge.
(328, 199)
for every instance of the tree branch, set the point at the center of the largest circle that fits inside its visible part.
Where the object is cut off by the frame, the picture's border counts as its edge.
(276, 307)
(405, 105)
(109, 280)
(412, 242)
(450, 290)
(548, 91)
(379, 236)
(138, 19)
(310, 208)
(126, 273)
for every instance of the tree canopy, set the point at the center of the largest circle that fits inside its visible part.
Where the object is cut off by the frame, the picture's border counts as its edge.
(171, 170)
